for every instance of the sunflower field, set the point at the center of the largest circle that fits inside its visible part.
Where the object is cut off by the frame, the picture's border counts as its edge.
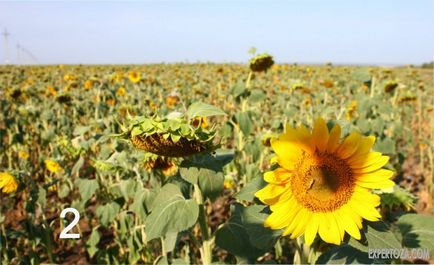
(216, 163)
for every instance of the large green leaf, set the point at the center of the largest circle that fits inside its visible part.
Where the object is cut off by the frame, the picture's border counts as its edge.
(171, 212)
(253, 218)
(245, 122)
(92, 242)
(344, 254)
(379, 236)
(191, 174)
(211, 183)
(107, 213)
(247, 193)
(417, 231)
(87, 187)
(199, 109)
(234, 237)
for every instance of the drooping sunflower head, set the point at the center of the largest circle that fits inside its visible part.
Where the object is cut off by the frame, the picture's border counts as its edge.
(261, 62)
(323, 185)
(390, 86)
(64, 98)
(166, 165)
(172, 136)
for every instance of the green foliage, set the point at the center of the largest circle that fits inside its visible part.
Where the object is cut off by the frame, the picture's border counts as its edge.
(199, 109)
(170, 212)
(417, 231)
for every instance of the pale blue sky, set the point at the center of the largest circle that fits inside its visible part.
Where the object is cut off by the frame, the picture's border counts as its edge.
(304, 31)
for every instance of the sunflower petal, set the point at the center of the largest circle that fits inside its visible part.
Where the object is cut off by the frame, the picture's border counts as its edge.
(365, 161)
(377, 185)
(278, 176)
(363, 149)
(349, 225)
(283, 217)
(311, 229)
(333, 141)
(328, 230)
(301, 226)
(270, 193)
(298, 214)
(379, 163)
(366, 212)
(349, 146)
(287, 152)
(375, 176)
(320, 134)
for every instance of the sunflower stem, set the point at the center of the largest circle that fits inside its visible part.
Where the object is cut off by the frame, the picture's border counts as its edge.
(249, 78)
(163, 247)
(206, 248)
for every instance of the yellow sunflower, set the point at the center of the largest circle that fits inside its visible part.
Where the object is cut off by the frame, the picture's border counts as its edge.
(53, 166)
(120, 92)
(8, 183)
(323, 185)
(134, 77)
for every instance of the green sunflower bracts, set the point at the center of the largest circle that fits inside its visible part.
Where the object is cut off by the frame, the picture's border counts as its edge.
(175, 135)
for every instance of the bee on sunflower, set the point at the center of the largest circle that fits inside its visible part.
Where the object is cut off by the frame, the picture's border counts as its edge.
(323, 185)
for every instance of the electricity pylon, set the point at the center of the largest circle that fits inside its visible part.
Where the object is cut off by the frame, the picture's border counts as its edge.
(5, 34)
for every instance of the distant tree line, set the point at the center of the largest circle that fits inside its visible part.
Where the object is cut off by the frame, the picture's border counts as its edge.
(428, 65)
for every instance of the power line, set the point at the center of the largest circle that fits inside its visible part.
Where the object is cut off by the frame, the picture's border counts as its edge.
(6, 34)
(22, 53)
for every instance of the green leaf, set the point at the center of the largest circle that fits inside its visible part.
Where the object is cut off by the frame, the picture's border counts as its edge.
(107, 213)
(92, 242)
(417, 231)
(171, 212)
(139, 204)
(211, 183)
(80, 130)
(136, 131)
(87, 187)
(190, 174)
(170, 240)
(245, 122)
(238, 89)
(386, 146)
(253, 218)
(161, 260)
(199, 109)
(63, 190)
(180, 262)
(234, 237)
(380, 236)
(344, 254)
(165, 194)
(42, 197)
(362, 75)
(127, 188)
(78, 165)
(247, 193)
(257, 95)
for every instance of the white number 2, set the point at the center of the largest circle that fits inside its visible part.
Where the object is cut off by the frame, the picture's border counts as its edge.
(64, 233)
